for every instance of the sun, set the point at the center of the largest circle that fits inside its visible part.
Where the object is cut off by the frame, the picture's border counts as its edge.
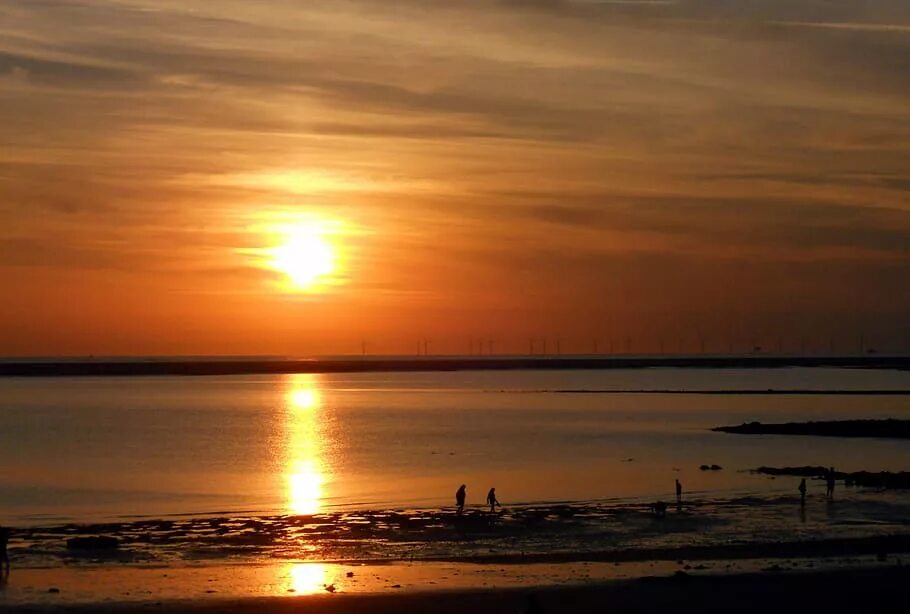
(305, 257)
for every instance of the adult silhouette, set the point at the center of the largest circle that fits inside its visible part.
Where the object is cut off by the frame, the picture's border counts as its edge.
(459, 498)
(802, 492)
(491, 500)
(659, 509)
(829, 484)
(4, 556)
(678, 493)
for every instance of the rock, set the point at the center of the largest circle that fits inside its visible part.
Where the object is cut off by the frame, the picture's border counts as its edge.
(53, 589)
(93, 542)
(331, 588)
(350, 574)
(396, 586)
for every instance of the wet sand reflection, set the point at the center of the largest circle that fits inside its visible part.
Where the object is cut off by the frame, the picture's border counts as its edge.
(307, 578)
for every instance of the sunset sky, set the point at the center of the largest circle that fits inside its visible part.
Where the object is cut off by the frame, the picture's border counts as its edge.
(289, 177)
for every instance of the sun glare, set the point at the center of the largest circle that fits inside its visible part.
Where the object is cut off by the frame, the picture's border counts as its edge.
(306, 257)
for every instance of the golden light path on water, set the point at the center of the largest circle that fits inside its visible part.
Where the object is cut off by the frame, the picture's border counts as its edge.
(307, 578)
(305, 452)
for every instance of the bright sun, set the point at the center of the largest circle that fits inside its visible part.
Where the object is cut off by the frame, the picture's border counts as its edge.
(305, 257)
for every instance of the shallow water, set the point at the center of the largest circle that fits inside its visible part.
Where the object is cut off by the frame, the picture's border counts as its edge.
(94, 449)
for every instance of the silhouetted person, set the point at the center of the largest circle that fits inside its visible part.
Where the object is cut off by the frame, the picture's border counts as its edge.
(459, 498)
(802, 492)
(659, 508)
(829, 481)
(678, 494)
(491, 500)
(4, 556)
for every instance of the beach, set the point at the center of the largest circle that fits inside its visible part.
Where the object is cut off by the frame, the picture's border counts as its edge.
(335, 492)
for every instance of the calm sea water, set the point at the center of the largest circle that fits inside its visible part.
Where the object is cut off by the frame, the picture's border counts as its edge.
(91, 449)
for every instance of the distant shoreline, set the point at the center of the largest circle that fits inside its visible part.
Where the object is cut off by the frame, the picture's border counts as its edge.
(732, 391)
(890, 428)
(108, 367)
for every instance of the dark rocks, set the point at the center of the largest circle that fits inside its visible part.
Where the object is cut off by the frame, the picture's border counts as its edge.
(710, 467)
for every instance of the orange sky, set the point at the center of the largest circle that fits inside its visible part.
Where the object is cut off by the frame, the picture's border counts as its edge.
(657, 172)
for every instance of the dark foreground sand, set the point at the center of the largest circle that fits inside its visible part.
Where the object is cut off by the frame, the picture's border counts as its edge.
(881, 590)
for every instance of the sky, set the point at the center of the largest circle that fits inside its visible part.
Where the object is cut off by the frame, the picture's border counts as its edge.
(631, 175)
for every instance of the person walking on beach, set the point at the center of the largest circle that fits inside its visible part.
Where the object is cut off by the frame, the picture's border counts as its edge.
(829, 480)
(4, 557)
(491, 500)
(678, 493)
(802, 492)
(459, 498)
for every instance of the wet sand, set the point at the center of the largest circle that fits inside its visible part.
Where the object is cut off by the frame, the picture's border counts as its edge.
(736, 528)
(881, 589)
(243, 584)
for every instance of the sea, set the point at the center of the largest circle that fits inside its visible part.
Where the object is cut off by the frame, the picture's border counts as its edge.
(365, 466)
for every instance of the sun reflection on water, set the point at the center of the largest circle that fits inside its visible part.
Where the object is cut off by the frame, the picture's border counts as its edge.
(307, 578)
(304, 464)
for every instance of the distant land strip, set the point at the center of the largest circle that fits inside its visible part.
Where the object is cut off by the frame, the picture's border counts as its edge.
(225, 366)
(729, 391)
(890, 428)
(869, 479)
